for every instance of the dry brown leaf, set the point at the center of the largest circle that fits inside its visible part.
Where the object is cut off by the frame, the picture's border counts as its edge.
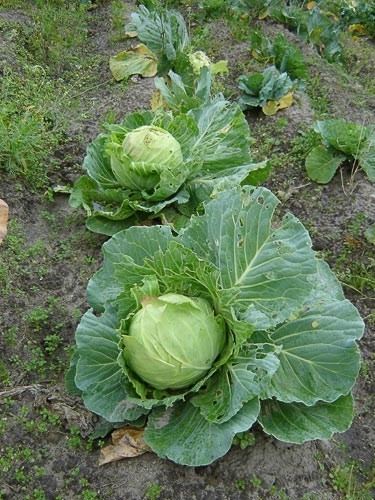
(4, 214)
(127, 442)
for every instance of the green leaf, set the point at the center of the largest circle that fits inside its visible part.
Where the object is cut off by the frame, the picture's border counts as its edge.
(366, 157)
(102, 225)
(259, 88)
(129, 251)
(239, 381)
(342, 135)
(268, 268)
(297, 423)
(99, 374)
(207, 186)
(180, 96)
(319, 358)
(223, 137)
(98, 165)
(163, 31)
(184, 436)
(322, 163)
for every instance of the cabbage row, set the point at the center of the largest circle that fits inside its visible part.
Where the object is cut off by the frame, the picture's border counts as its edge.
(222, 315)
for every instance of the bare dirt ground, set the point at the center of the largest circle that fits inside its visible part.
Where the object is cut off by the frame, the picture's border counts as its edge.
(45, 449)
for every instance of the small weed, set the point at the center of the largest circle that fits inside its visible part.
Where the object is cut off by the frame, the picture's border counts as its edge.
(75, 440)
(117, 20)
(255, 481)
(240, 484)
(153, 491)
(244, 440)
(318, 96)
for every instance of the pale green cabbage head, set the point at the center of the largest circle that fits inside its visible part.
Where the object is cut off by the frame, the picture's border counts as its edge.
(173, 341)
(199, 60)
(138, 163)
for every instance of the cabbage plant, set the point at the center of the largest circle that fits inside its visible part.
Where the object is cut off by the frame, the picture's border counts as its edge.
(162, 163)
(231, 322)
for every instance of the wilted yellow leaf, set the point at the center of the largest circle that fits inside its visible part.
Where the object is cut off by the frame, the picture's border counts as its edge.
(4, 213)
(127, 442)
(272, 107)
(310, 5)
(263, 14)
(357, 29)
(219, 67)
(137, 61)
(157, 101)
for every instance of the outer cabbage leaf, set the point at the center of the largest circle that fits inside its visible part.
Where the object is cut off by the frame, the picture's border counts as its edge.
(223, 137)
(269, 269)
(139, 243)
(178, 95)
(297, 423)
(184, 436)
(239, 381)
(137, 61)
(322, 163)
(319, 358)
(99, 374)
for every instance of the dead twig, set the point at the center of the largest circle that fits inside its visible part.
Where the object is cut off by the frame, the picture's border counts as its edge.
(35, 388)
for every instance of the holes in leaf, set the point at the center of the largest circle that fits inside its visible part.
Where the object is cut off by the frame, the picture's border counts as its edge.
(219, 392)
(260, 200)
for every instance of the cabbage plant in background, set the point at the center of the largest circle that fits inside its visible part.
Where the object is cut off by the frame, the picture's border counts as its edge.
(341, 141)
(231, 322)
(165, 46)
(163, 164)
(269, 90)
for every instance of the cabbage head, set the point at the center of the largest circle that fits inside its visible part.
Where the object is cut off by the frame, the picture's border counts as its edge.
(138, 163)
(173, 340)
(199, 60)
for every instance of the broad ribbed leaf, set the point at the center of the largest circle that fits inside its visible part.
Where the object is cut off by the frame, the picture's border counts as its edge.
(319, 358)
(98, 165)
(297, 423)
(322, 163)
(184, 436)
(135, 61)
(223, 138)
(99, 374)
(239, 381)
(270, 268)
(202, 188)
(129, 251)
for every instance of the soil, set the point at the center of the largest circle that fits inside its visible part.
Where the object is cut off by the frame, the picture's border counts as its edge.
(54, 277)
